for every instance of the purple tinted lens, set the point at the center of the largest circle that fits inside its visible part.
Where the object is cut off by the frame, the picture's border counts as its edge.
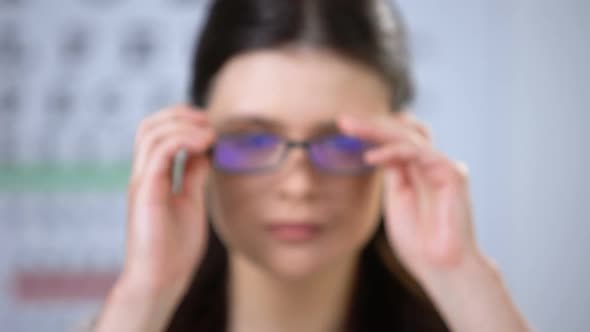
(247, 152)
(340, 153)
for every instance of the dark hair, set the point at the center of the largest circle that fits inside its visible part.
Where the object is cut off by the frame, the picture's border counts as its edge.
(370, 32)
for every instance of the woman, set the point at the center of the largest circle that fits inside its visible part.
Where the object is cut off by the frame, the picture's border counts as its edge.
(330, 209)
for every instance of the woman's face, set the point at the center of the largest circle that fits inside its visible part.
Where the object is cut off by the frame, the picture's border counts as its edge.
(298, 93)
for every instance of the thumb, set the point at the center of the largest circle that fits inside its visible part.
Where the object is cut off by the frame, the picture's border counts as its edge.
(196, 173)
(189, 174)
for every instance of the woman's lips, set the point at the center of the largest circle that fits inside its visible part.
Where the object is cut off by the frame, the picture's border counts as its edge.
(293, 232)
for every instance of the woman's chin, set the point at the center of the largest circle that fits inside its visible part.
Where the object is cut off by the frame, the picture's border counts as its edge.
(301, 266)
(294, 265)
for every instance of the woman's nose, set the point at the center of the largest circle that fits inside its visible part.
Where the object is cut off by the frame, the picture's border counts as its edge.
(297, 175)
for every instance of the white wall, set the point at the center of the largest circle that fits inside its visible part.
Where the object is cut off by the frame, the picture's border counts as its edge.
(504, 85)
(550, 162)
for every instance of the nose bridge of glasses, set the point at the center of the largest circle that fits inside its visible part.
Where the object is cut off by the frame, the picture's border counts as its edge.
(297, 144)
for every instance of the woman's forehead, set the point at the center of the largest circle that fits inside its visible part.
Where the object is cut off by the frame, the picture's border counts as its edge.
(237, 122)
(291, 86)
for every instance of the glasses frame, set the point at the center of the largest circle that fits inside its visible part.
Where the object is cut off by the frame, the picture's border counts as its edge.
(288, 146)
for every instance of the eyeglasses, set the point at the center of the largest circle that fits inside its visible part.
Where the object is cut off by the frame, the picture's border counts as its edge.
(260, 152)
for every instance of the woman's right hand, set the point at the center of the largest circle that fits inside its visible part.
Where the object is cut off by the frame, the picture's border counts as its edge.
(167, 232)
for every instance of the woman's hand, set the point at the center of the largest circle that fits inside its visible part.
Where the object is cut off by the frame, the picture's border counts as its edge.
(167, 232)
(426, 203)
(429, 223)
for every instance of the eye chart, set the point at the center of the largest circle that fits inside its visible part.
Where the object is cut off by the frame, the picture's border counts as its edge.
(76, 77)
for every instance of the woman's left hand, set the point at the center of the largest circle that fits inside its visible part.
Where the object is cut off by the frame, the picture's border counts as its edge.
(426, 202)
(429, 224)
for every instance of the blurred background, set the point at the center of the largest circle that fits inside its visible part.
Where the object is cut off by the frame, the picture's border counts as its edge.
(504, 85)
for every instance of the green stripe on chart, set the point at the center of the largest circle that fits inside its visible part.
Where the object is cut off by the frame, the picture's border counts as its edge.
(64, 177)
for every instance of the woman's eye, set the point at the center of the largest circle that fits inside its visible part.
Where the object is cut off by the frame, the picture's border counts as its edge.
(345, 143)
(261, 140)
(256, 140)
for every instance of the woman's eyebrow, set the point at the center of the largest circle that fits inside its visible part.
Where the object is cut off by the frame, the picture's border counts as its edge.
(326, 126)
(266, 123)
(247, 121)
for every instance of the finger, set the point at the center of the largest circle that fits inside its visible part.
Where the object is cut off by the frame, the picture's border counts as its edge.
(148, 143)
(423, 196)
(401, 152)
(158, 168)
(196, 172)
(462, 170)
(187, 172)
(444, 215)
(152, 138)
(413, 204)
(180, 113)
(400, 210)
(440, 196)
(391, 153)
(379, 129)
(421, 128)
(437, 168)
(446, 172)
